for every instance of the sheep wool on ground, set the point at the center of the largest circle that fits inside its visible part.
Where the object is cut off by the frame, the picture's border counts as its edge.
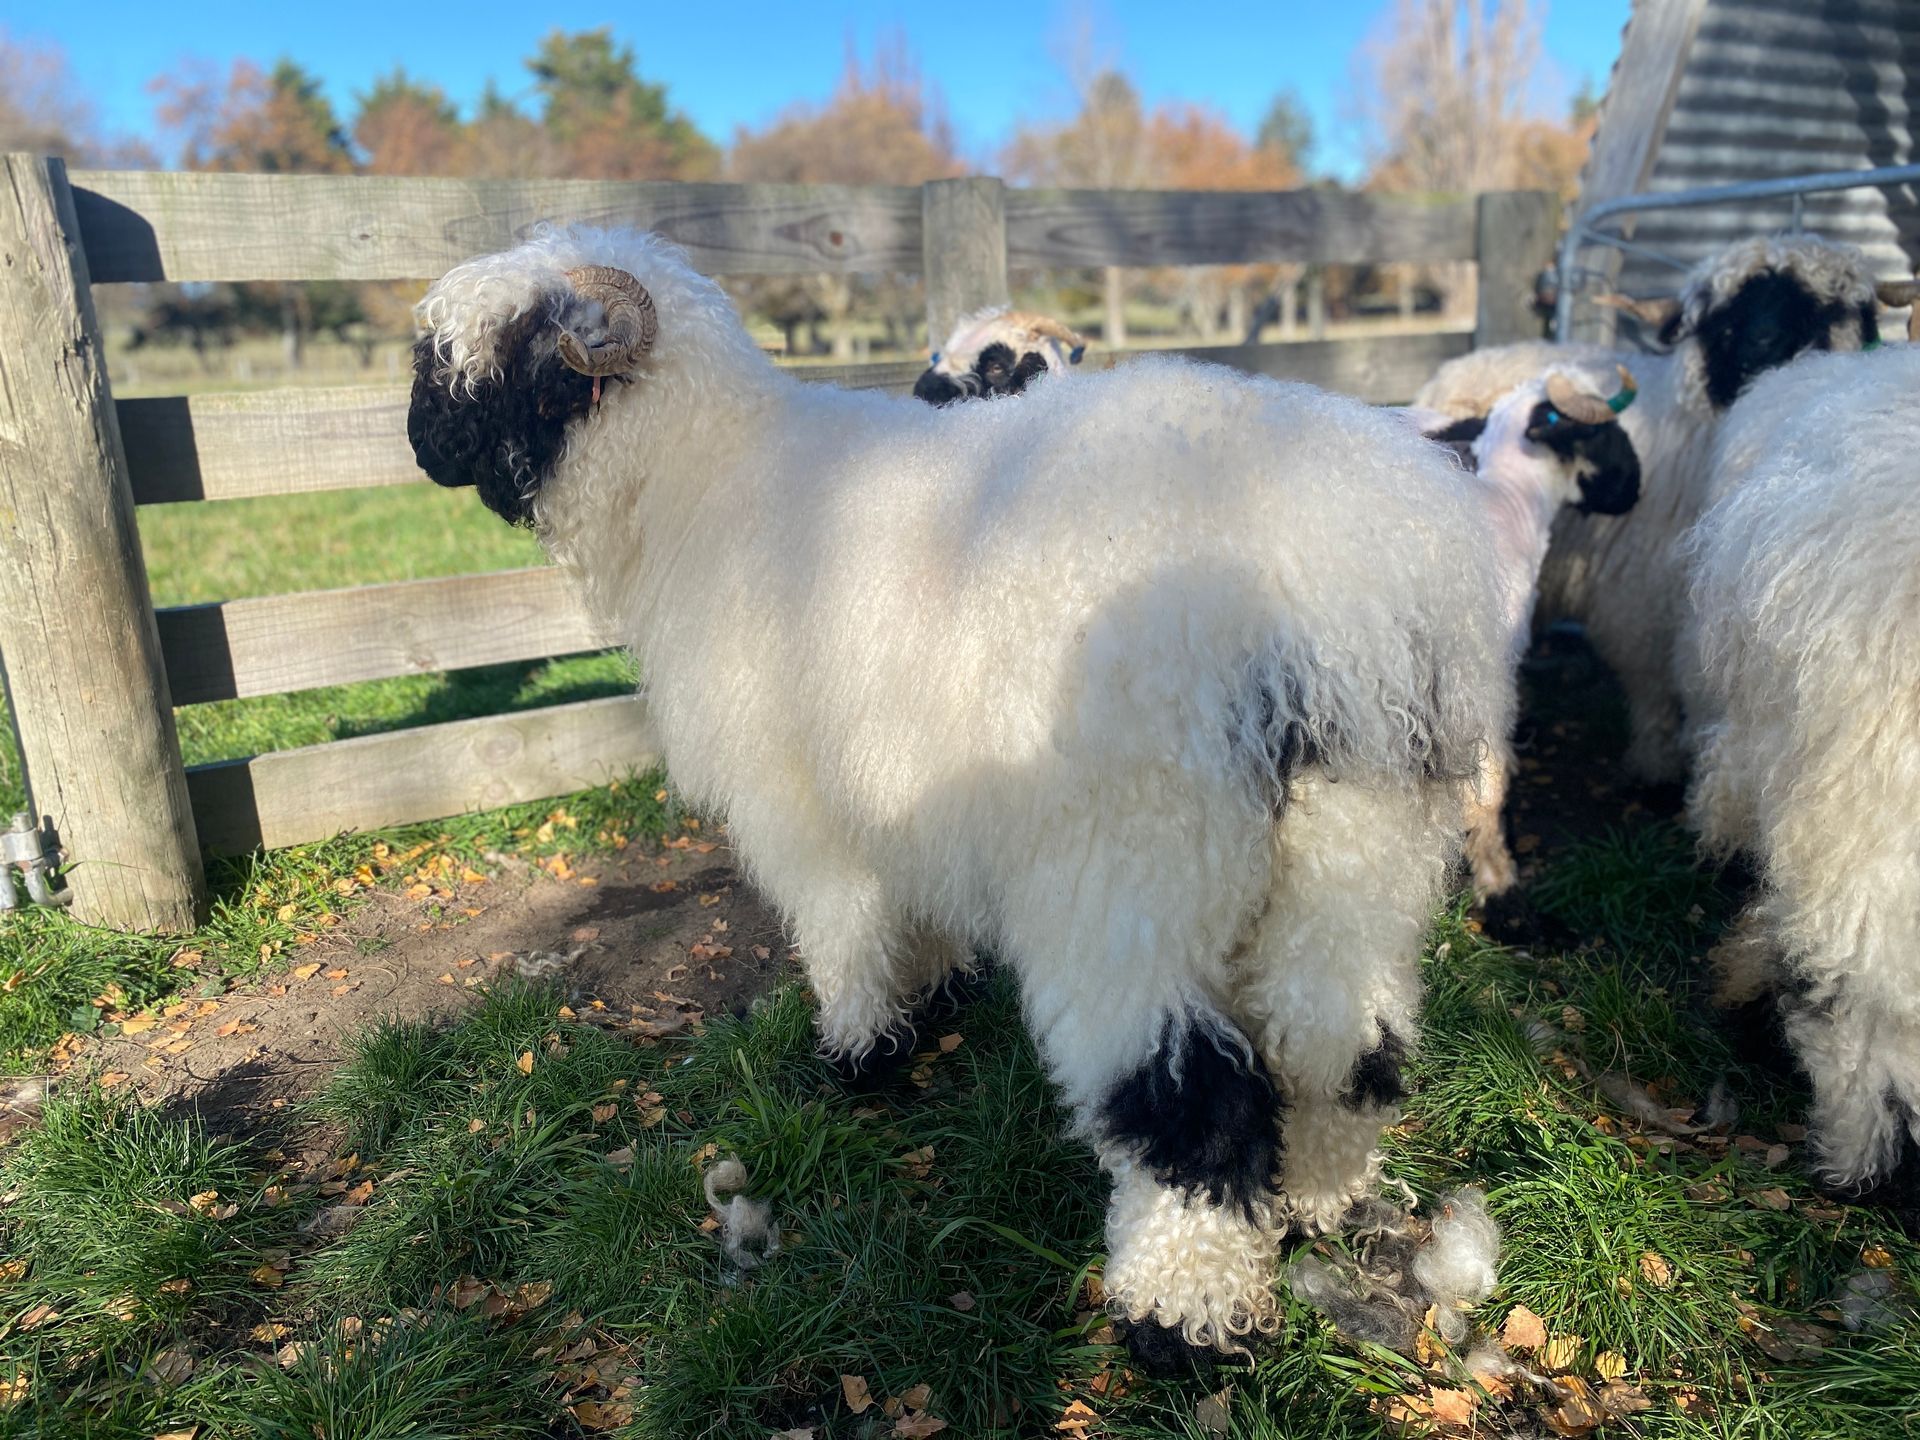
(1745, 310)
(1802, 667)
(1165, 684)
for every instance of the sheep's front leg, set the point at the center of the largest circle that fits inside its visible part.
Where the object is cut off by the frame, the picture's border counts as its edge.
(1331, 979)
(865, 961)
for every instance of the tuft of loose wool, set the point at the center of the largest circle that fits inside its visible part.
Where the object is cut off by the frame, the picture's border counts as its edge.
(747, 1232)
(1459, 1264)
(1358, 1309)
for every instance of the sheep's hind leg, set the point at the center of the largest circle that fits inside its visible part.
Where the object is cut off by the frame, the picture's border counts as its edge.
(1331, 979)
(1488, 858)
(1182, 1114)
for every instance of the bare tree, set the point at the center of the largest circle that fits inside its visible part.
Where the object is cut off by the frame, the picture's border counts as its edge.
(1443, 94)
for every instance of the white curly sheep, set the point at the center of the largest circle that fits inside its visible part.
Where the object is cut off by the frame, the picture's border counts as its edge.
(1746, 310)
(1165, 684)
(1803, 668)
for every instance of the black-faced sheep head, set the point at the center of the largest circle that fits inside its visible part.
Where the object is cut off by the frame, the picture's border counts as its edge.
(997, 352)
(1568, 422)
(1757, 304)
(500, 425)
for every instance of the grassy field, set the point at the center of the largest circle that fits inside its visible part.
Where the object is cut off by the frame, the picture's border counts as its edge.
(494, 1227)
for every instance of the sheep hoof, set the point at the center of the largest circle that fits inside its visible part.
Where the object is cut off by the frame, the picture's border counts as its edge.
(954, 993)
(890, 1053)
(1163, 1353)
(1896, 1195)
(1512, 919)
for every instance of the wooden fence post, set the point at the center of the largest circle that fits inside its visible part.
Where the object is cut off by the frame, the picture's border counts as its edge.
(82, 648)
(964, 245)
(1516, 232)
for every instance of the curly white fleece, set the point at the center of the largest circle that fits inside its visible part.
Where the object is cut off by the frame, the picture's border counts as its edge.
(1804, 677)
(1000, 673)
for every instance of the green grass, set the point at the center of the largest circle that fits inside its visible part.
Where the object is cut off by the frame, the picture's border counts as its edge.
(508, 1148)
(203, 552)
(483, 1172)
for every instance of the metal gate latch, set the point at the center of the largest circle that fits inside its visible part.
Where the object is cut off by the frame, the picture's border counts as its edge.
(33, 850)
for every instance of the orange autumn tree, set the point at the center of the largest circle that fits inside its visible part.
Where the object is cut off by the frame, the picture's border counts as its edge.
(1191, 147)
(883, 125)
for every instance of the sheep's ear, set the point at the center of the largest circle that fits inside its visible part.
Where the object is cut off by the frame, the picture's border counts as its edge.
(1661, 315)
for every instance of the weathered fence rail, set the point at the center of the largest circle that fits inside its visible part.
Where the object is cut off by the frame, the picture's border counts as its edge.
(95, 671)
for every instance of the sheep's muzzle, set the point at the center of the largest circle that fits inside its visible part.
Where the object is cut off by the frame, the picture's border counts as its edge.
(631, 322)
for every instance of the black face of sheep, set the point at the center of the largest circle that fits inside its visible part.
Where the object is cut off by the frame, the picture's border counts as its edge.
(1603, 457)
(997, 371)
(1769, 320)
(503, 434)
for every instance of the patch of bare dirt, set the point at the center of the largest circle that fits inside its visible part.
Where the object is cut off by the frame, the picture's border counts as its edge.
(651, 937)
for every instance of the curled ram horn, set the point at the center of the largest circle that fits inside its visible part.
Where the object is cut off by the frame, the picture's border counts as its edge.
(1899, 295)
(630, 320)
(1654, 314)
(1047, 328)
(1584, 406)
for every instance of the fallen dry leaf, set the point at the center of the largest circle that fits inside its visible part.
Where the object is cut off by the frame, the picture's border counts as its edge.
(1577, 1409)
(961, 1300)
(1874, 1257)
(270, 1276)
(1781, 1337)
(360, 1194)
(1773, 1199)
(951, 1043)
(269, 1332)
(918, 1425)
(1610, 1364)
(1560, 1352)
(172, 1366)
(38, 1316)
(1623, 1400)
(917, 1397)
(604, 1112)
(859, 1398)
(306, 972)
(234, 1027)
(525, 1062)
(620, 1158)
(1523, 1330)
(602, 1414)
(1453, 1407)
(1655, 1270)
(113, 1078)
(186, 1434)
(1077, 1419)
(1214, 1414)
(139, 1024)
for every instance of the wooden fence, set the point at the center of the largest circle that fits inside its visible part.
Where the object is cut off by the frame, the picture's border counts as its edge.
(94, 671)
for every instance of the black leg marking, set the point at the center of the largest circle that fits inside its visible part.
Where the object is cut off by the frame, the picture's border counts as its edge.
(1202, 1114)
(888, 1056)
(1163, 1353)
(1377, 1077)
(1898, 1191)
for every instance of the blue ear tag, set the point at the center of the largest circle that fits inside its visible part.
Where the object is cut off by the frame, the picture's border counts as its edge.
(1073, 356)
(1553, 417)
(934, 359)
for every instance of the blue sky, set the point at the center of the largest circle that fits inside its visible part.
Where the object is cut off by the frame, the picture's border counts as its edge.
(742, 62)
